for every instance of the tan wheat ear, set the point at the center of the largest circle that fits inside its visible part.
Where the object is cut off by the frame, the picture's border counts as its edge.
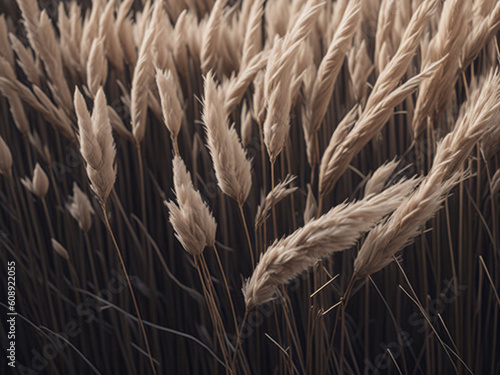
(279, 77)
(80, 208)
(311, 209)
(39, 185)
(379, 178)
(194, 225)
(232, 168)
(210, 39)
(322, 89)
(435, 91)
(96, 144)
(5, 158)
(143, 78)
(59, 249)
(280, 192)
(337, 230)
(252, 40)
(97, 66)
(170, 104)
(246, 125)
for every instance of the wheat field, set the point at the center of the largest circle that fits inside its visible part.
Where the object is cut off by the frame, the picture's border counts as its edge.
(250, 187)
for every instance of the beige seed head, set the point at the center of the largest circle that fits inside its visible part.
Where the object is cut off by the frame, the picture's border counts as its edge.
(80, 208)
(170, 102)
(5, 158)
(193, 223)
(59, 249)
(232, 168)
(39, 185)
(337, 230)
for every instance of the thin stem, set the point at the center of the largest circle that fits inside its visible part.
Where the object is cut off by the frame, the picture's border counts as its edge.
(238, 339)
(247, 235)
(141, 184)
(136, 306)
(47, 217)
(320, 206)
(275, 228)
(176, 146)
(345, 300)
(208, 292)
(227, 286)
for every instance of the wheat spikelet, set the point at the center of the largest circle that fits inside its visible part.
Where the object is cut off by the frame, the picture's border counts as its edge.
(445, 46)
(210, 38)
(337, 230)
(180, 47)
(392, 73)
(59, 249)
(246, 125)
(311, 209)
(379, 178)
(68, 39)
(5, 47)
(5, 158)
(39, 185)
(97, 66)
(118, 125)
(236, 87)
(170, 103)
(360, 68)
(480, 35)
(123, 26)
(232, 168)
(383, 42)
(50, 54)
(108, 33)
(143, 78)
(252, 41)
(16, 108)
(96, 144)
(329, 68)
(278, 79)
(193, 223)
(80, 208)
(89, 147)
(25, 60)
(278, 193)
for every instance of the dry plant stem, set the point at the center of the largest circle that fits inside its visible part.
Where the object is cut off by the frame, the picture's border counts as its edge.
(415, 300)
(247, 235)
(393, 318)
(47, 217)
(345, 301)
(238, 339)
(275, 227)
(320, 206)
(208, 291)
(176, 145)
(136, 306)
(264, 181)
(489, 279)
(141, 183)
(227, 287)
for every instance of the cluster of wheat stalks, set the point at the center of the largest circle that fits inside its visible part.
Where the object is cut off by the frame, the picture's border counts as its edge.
(274, 141)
